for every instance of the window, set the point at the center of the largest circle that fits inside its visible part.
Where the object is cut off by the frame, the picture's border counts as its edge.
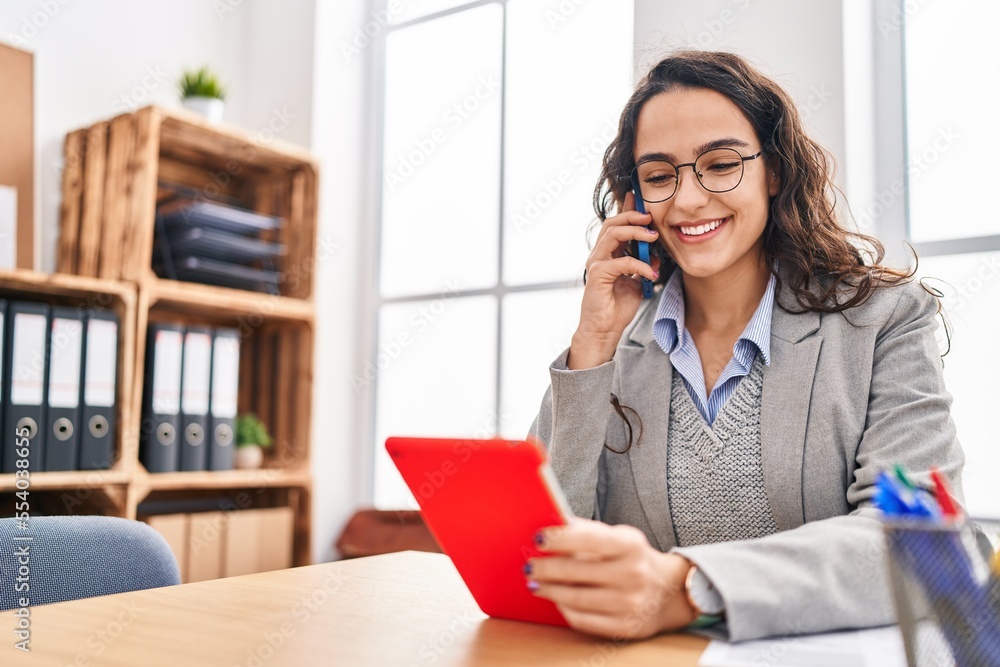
(495, 118)
(949, 109)
(950, 117)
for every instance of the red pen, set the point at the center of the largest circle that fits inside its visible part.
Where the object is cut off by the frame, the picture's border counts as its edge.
(943, 495)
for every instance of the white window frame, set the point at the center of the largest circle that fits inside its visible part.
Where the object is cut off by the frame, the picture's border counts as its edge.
(891, 156)
(373, 299)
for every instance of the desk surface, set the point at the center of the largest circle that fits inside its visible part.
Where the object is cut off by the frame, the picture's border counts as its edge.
(406, 609)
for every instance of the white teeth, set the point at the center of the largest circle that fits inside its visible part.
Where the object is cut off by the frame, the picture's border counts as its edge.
(701, 229)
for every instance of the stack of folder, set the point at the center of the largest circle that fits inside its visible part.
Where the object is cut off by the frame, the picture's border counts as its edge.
(58, 387)
(189, 404)
(212, 243)
(940, 559)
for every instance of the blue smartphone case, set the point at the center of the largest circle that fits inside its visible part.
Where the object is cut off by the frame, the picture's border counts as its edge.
(643, 248)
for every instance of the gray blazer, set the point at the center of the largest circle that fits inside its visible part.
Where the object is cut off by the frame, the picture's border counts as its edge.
(843, 398)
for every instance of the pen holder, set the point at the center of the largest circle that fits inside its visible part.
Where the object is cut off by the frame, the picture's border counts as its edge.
(946, 596)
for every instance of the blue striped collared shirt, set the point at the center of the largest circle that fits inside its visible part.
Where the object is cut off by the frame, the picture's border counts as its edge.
(673, 337)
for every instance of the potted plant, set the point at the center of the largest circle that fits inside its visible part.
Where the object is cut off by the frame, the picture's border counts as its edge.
(251, 438)
(202, 93)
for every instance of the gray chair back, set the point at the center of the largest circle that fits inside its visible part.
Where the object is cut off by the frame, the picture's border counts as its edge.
(59, 558)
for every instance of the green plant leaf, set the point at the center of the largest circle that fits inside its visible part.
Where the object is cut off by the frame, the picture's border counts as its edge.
(251, 431)
(201, 83)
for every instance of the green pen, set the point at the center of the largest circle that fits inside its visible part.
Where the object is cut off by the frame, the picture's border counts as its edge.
(902, 477)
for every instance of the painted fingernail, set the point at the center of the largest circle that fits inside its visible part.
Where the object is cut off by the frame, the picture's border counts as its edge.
(652, 231)
(539, 539)
(527, 569)
(533, 585)
(656, 274)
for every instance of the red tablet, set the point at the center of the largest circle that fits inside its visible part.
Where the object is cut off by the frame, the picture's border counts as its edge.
(484, 500)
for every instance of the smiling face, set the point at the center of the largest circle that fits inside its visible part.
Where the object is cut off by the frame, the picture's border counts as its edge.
(708, 234)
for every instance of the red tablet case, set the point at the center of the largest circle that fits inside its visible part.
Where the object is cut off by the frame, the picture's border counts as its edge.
(484, 501)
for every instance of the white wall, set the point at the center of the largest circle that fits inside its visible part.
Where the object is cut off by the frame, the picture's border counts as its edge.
(94, 60)
(799, 44)
(276, 66)
(97, 58)
(343, 131)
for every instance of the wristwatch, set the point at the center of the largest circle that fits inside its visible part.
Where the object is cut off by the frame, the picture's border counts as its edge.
(703, 597)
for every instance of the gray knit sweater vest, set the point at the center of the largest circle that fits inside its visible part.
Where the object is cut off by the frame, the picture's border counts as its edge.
(714, 475)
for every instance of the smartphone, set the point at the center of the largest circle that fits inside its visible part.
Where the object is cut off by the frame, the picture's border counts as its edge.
(642, 247)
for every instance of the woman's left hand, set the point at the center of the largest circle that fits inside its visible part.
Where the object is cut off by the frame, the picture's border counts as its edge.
(609, 581)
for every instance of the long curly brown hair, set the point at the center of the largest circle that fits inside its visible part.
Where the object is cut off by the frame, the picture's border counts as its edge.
(828, 268)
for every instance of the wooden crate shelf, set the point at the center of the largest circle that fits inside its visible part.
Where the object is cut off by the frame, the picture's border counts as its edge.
(229, 479)
(222, 303)
(116, 171)
(74, 479)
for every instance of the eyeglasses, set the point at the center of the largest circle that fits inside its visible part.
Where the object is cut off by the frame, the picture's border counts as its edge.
(718, 170)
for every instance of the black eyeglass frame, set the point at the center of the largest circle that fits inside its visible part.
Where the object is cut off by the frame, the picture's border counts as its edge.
(638, 189)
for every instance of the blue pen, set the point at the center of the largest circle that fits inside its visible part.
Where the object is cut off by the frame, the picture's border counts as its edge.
(886, 498)
(896, 499)
(919, 502)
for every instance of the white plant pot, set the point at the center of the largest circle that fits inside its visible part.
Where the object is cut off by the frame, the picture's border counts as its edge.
(249, 457)
(212, 108)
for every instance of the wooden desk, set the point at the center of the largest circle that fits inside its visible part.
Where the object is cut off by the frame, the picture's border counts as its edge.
(406, 609)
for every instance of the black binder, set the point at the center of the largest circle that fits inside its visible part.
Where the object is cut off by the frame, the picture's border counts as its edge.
(225, 380)
(214, 244)
(100, 383)
(197, 376)
(162, 403)
(180, 214)
(223, 274)
(62, 391)
(24, 396)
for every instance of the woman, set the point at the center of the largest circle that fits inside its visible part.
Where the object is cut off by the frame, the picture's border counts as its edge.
(726, 434)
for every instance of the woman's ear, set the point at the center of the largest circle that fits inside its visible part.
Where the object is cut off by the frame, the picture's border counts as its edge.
(773, 179)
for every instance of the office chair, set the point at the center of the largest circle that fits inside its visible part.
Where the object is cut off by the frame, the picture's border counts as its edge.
(72, 557)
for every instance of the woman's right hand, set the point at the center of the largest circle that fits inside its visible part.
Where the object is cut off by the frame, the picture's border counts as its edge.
(613, 291)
